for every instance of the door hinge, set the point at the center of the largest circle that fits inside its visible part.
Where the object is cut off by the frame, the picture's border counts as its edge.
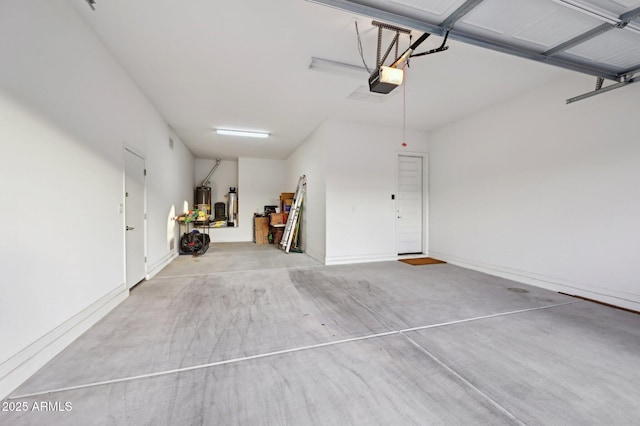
(145, 172)
(145, 216)
(145, 259)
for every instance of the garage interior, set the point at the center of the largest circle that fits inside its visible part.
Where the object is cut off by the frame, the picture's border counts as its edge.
(518, 136)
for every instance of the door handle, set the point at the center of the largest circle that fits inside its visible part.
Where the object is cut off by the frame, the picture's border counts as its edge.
(130, 228)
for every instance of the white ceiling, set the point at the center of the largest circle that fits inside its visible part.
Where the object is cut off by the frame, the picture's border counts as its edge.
(206, 64)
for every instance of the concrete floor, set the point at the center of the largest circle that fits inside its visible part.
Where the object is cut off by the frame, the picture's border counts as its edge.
(249, 335)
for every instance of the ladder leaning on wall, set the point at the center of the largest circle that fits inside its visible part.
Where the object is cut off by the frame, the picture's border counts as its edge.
(293, 226)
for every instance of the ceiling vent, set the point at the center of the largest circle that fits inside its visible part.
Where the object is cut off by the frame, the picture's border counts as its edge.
(363, 94)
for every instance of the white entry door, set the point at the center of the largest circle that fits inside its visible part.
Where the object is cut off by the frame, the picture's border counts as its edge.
(409, 205)
(134, 184)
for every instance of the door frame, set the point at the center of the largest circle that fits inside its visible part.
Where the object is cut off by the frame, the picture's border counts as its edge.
(425, 200)
(126, 147)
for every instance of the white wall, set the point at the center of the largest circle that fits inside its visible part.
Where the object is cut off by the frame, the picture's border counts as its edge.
(544, 192)
(225, 177)
(360, 179)
(66, 109)
(169, 184)
(310, 159)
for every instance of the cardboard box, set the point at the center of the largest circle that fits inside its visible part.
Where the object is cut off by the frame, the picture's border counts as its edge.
(278, 218)
(277, 235)
(261, 230)
(283, 199)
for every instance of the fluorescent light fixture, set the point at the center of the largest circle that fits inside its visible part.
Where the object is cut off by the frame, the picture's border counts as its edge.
(335, 67)
(244, 133)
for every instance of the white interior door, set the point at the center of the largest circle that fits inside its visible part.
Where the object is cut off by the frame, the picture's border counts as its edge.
(134, 184)
(409, 205)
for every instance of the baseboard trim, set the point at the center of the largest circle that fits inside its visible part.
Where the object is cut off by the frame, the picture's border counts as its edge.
(631, 302)
(345, 260)
(17, 369)
(160, 265)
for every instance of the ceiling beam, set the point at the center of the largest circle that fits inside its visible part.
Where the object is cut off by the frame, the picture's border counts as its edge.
(629, 16)
(535, 56)
(623, 21)
(461, 11)
(600, 29)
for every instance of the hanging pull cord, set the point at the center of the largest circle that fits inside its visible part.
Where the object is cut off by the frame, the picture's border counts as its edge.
(442, 48)
(404, 104)
(405, 67)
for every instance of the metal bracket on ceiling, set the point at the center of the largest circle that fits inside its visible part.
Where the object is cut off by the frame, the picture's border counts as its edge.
(442, 48)
(91, 4)
(625, 81)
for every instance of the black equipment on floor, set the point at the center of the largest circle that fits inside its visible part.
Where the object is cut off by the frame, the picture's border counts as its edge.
(219, 212)
(194, 243)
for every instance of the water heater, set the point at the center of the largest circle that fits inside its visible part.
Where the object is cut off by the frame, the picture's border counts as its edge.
(202, 195)
(232, 207)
